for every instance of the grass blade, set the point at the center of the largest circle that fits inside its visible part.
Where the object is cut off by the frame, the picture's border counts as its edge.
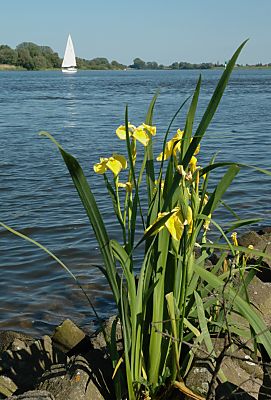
(211, 109)
(93, 214)
(240, 305)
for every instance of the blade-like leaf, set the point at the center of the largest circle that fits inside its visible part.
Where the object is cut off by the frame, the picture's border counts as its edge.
(93, 214)
(150, 175)
(211, 109)
(220, 189)
(240, 305)
(190, 119)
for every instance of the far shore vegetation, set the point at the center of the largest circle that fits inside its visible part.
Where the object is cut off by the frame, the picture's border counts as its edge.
(33, 57)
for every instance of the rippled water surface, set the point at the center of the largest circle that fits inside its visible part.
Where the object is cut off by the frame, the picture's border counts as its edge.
(83, 111)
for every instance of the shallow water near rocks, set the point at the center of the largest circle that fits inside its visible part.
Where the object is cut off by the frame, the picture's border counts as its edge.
(82, 111)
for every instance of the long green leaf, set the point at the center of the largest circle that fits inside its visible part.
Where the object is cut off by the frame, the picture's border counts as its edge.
(158, 307)
(93, 214)
(220, 189)
(212, 166)
(150, 175)
(240, 305)
(190, 119)
(211, 109)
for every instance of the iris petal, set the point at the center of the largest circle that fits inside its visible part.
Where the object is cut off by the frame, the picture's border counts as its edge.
(175, 226)
(121, 159)
(121, 132)
(101, 168)
(150, 129)
(141, 136)
(114, 165)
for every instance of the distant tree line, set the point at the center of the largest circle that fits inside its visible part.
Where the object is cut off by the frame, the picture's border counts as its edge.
(140, 64)
(31, 56)
(98, 63)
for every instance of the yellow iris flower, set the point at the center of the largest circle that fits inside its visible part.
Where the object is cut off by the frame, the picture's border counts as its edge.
(127, 185)
(175, 223)
(234, 238)
(140, 133)
(172, 145)
(115, 163)
(193, 164)
(149, 128)
(121, 131)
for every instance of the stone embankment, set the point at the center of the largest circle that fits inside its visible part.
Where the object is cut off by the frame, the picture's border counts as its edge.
(72, 365)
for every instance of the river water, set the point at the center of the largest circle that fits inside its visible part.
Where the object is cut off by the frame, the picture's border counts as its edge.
(82, 112)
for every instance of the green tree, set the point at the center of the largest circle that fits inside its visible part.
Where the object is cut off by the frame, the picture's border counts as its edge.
(34, 49)
(33, 56)
(8, 55)
(152, 65)
(174, 65)
(40, 62)
(24, 59)
(117, 65)
(138, 64)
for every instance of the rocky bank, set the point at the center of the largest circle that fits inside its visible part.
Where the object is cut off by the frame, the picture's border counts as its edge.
(74, 365)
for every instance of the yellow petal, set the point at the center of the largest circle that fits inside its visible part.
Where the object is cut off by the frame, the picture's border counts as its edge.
(128, 186)
(175, 226)
(159, 228)
(141, 136)
(150, 129)
(121, 132)
(121, 185)
(121, 159)
(179, 135)
(167, 153)
(193, 164)
(100, 168)
(114, 165)
(197, 150)
(234, 238)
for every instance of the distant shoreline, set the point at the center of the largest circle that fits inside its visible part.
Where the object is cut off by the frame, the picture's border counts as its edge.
(9, 67)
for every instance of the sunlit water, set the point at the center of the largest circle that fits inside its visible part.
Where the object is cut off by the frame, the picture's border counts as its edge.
(83, 111)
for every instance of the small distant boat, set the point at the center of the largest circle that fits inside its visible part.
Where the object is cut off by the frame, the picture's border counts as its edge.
(69, 61)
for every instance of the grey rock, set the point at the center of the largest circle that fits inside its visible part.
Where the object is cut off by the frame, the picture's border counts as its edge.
(67, 335)
(24, 364)
(229, 391)
(7, 387)
(260, 297)
(199, 378)
(243, 373)
(33, 395)
(80, 379)
(99, 342)
(261, 241)
(8, 337)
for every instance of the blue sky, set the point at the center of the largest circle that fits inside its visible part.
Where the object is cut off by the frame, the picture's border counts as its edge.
(154, 30)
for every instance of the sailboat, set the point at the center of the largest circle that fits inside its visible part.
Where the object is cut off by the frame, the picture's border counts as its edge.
(69, 61)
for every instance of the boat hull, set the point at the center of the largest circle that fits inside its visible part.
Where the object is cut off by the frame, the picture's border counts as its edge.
(70, 70)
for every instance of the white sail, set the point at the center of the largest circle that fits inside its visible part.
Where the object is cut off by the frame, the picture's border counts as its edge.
(69, 56)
